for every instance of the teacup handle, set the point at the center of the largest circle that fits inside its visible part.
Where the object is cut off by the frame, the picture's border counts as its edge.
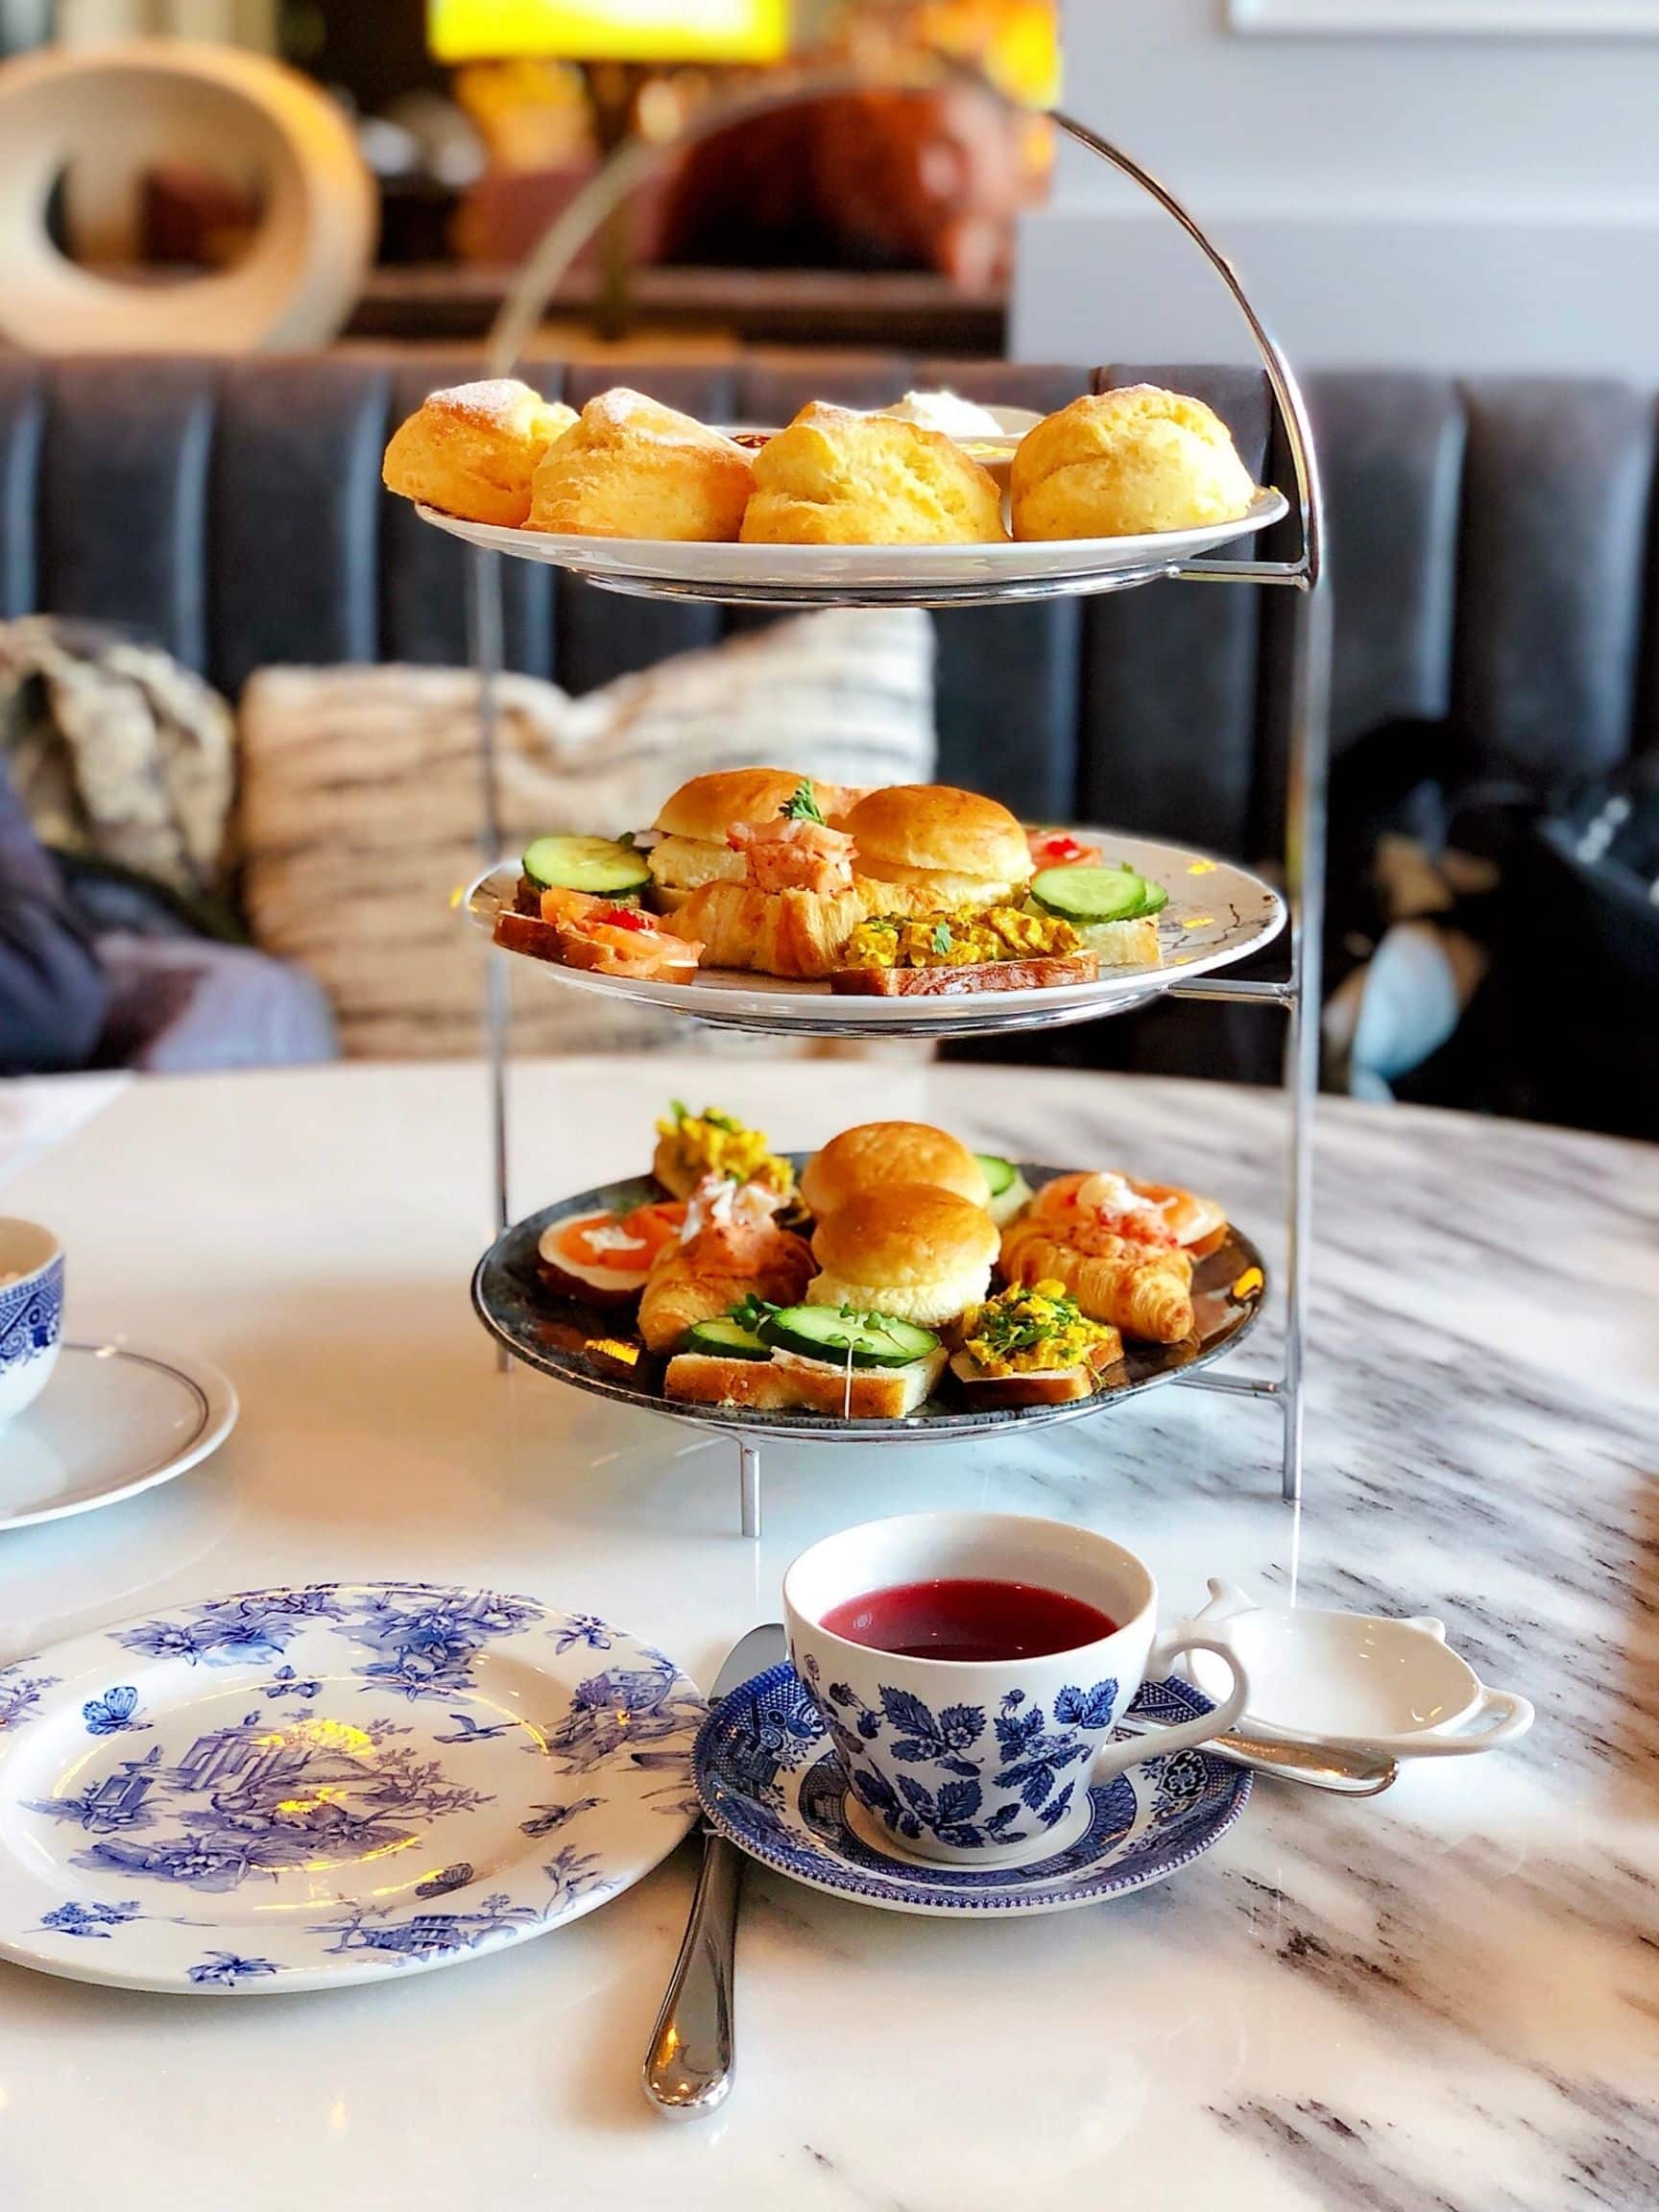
(1159, 1741)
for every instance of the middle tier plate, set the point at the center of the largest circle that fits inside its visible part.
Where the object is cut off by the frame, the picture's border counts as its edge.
(588, 1347)
(1216, 914)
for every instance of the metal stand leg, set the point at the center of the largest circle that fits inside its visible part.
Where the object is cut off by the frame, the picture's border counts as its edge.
(1305, 879)
(484, 620)
(749, 1481)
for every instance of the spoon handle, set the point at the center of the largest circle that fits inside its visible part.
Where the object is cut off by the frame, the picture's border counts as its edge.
(690, 2064)
(1346, 1773)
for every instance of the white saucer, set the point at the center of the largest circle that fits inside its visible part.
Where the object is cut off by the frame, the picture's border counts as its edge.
(114, 1420)
(770, 1781)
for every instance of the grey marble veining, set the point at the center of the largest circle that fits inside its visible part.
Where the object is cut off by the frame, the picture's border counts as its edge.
(1444, 2000)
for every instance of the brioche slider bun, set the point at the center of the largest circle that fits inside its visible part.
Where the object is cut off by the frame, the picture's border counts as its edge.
(879, 1153)
(939, 847)
(694, 820)
(908, 1249)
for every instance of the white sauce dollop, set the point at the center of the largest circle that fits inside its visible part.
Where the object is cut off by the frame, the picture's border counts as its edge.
(947, 412)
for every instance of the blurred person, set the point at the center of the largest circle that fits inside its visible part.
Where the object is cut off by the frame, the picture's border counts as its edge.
(54, 995)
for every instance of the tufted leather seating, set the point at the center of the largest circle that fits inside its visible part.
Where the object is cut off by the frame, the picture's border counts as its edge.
(1490, 559)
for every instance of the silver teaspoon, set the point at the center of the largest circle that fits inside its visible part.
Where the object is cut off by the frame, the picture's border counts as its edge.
(1320, 1766)
(1326, 1766)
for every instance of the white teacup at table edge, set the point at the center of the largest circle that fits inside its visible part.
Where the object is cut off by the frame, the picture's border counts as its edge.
(30, 1312)
(987, 1761)
(1360, 1681)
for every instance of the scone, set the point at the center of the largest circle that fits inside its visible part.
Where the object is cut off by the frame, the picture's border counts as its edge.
(472, 451)
(634, 468)
(1116, 464)
(837, 477)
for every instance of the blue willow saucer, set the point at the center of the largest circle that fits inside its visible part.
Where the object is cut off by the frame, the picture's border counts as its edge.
(769, 1779)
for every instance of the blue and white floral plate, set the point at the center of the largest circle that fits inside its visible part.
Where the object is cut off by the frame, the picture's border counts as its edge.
(297, 1789)
(768, 1778)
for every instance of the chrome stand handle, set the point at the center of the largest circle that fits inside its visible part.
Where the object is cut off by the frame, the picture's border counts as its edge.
(689, 2065)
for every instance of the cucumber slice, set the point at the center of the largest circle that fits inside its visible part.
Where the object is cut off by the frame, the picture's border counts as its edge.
(1000, 1175)
(725, 1340)
(1086, 895)
(1154, 902)
(826, 1333)
(597, 865)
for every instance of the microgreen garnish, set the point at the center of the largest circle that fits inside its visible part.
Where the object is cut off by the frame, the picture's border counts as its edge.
(942, 937)
(803, 806)
(751, 1310)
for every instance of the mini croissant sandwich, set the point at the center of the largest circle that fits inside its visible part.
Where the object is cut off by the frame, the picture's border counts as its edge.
(1080, 1208)
(632, 467)
(730, 1248)
(794, 902)
(1124, 1256)
(472, 451)
(1145, 1292)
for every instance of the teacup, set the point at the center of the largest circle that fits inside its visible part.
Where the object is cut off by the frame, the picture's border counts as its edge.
(987, 1762)
(31, 1313)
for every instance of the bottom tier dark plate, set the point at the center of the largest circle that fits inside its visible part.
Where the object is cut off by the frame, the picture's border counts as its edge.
(570, 1340)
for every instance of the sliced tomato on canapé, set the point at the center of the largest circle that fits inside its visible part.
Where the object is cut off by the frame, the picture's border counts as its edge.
(1059, 849)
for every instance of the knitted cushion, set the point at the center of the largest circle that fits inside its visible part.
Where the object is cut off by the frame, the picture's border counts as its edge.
(361, 802)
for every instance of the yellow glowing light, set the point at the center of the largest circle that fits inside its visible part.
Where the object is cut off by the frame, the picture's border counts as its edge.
(1200, 867)
(1198, 922)
(337, 1735)
(613, 1348)
(325, 1793)
(1248, 1284)
(609, 30)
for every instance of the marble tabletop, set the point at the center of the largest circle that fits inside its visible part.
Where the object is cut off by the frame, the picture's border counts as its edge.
(1447, 1997)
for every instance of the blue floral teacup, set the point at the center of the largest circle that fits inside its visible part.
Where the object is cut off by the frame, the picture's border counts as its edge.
(987, 1762)
(31, 1313)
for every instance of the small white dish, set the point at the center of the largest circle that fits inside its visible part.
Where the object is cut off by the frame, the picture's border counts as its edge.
(116, 1419)
(1356, 1680)
(31, 1313)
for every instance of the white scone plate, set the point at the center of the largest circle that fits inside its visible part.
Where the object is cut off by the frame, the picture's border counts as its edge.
(1216, 914)
(839, 575)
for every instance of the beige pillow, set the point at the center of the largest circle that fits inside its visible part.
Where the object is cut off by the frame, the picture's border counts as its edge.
(361, 802)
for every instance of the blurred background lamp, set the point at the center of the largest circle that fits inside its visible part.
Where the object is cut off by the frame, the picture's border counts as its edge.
(733, 30)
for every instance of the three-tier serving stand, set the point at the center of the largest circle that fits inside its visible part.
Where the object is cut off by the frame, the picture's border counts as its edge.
(1297, 995)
